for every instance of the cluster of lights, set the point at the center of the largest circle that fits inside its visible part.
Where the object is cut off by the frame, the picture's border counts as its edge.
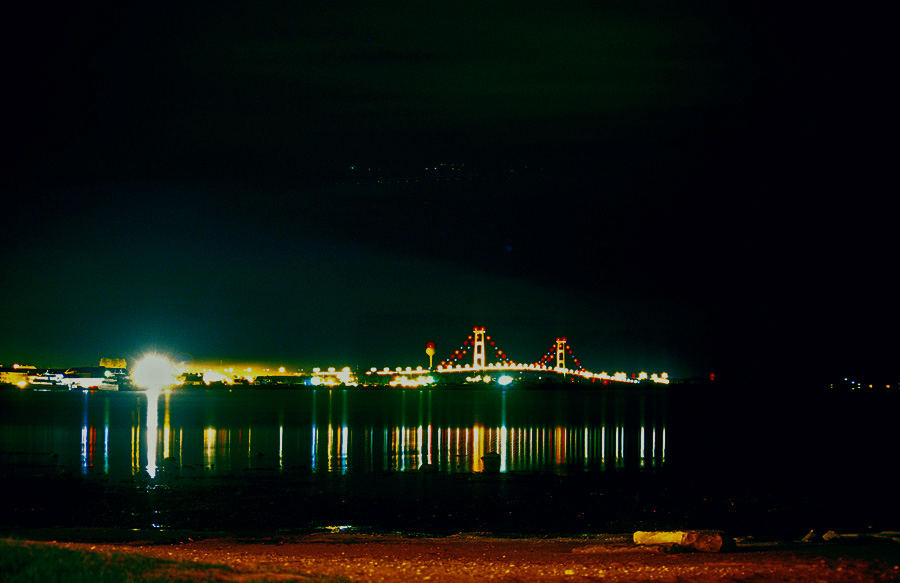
(398, 370)
(501, 380)
(333, 377)
(411, 382)
(861, 385)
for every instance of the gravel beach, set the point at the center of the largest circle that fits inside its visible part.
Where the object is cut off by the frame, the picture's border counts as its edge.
(465, 558)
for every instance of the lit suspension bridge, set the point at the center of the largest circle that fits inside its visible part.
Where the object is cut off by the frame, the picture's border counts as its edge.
(480, 354)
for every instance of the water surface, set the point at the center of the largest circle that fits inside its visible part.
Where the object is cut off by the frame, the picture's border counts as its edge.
(217, 432)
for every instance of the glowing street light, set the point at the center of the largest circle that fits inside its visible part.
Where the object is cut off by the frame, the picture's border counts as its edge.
(154, 372)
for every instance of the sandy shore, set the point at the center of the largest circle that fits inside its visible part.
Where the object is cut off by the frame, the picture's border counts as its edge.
(465, 558)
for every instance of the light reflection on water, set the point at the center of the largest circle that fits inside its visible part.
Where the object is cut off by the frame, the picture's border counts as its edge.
(335, 430)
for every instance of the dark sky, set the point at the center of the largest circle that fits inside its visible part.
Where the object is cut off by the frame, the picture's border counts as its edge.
(679, 186)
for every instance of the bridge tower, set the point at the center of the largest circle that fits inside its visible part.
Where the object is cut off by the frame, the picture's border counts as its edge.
(478, 347)
(560, 353)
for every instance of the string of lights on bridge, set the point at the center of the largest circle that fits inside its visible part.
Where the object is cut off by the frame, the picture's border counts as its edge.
(472, 357)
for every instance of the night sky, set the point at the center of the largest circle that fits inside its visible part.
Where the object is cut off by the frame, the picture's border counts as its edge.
(689, 187)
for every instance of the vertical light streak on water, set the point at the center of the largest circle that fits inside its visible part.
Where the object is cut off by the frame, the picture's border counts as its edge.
(249, 449)
(106, 435)
(503, 448)
(412, 447)
(315, 434)
(106, 449)
(330, 451)
(209, 447)
(280, 447)
(225, 439)
(440, 448)
(166, 428)
(510, 444)
(509, 460)
(330, 446)
(345, 443)
(664, 444)
(503, 433)
(477, 448)
(586, 452)
(84, 446)
(653, 445)
(469, 446)
(314, 441)
(430, 446)
(84, 432)
(135, 449)
(152, 430)
(420, 453)
(345, 433)
(642, 446)
(398, 449)
(617, 446)
(560, 446)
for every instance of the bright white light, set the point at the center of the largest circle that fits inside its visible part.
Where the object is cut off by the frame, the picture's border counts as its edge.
(504, 380)
(212, 376)
(154, 371)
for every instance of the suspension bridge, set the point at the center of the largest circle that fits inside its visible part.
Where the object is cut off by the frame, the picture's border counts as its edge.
(480, 355)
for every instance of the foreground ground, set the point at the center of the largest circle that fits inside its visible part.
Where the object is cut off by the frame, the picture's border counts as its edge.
(464, 558)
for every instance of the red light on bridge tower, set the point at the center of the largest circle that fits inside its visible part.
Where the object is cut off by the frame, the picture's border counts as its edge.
(560, 353)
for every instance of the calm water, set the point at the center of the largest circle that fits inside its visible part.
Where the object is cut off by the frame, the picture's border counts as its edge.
(339, 430)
